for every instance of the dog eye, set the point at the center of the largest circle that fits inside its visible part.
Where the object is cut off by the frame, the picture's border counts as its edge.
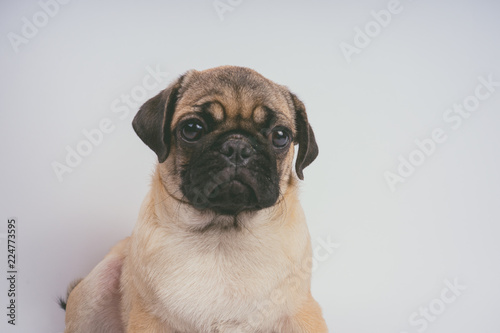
(280, 138)
(192, 130)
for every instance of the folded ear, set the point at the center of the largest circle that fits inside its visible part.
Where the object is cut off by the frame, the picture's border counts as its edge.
(152, 122)
(308, 149)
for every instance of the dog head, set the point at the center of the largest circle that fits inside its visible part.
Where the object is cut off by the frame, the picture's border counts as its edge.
(225, 139)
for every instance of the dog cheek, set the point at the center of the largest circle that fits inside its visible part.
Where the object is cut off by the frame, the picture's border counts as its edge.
(285, 164)
(198, 176)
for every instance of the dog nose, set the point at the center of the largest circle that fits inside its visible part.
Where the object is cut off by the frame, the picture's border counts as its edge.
(238, 151)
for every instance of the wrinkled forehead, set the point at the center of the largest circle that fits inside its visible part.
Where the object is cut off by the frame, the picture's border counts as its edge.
(234, 97)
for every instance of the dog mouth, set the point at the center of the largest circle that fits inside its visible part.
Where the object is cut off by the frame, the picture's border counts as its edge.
(229, 191)
(232, 197)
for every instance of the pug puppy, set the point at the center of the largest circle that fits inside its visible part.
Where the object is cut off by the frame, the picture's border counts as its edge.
(221, 243)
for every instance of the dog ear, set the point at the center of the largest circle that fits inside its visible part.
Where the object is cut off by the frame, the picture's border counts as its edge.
(152, 122)
(308, 149)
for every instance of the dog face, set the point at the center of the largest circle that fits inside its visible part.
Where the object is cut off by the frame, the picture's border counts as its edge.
(225, 139)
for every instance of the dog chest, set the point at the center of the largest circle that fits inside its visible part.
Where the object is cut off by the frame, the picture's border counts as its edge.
(224, 284)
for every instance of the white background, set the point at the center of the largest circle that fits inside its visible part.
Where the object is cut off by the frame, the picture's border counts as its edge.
(397, 248)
